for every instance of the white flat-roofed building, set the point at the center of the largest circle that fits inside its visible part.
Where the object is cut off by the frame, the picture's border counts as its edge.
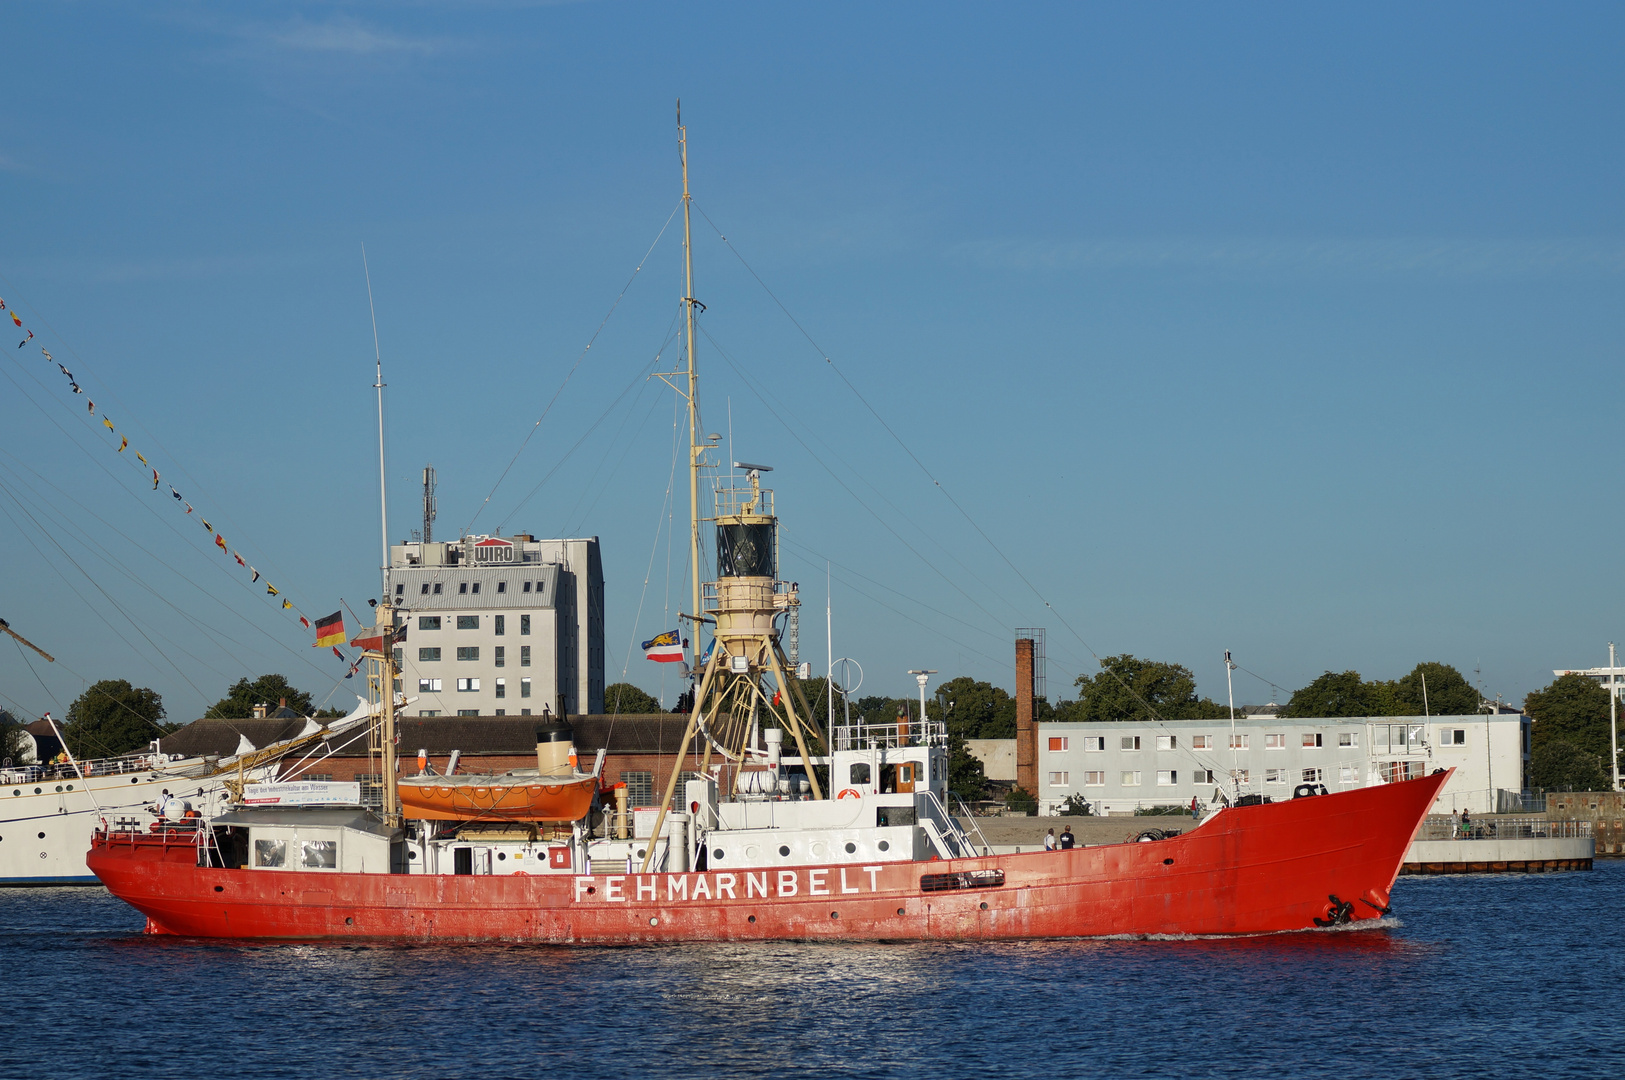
(1121, 767)
(500, 626)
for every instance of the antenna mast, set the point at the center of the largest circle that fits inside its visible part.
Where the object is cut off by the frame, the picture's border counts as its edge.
(429, 504)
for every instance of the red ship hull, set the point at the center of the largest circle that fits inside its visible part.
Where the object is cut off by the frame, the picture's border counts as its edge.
(1249, 870)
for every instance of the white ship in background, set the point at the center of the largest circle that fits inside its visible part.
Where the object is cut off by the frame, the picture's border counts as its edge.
(48, 813)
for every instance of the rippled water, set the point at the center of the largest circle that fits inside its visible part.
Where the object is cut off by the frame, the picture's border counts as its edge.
(1503, 976)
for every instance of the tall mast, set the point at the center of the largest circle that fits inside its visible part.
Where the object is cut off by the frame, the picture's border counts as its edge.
(695, 450)
(386, 616)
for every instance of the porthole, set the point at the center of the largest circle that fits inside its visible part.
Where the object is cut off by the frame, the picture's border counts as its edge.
(835, 914)
(219, 888)
(784, 849)
(654, 922)
(640, 853)
(851, 847)
(17, 791)
(411, 854)
(502, 856)
(899, 911)
(135, 779)
(37, 791)
(42, 836)
(885, 845)
(984, 905)
(1167, 862)
(716, 853)
(591, 889)
(349, 920)
(70, 787)
(751, 919)
(59, 787)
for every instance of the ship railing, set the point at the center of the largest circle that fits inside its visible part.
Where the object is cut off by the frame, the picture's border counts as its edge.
(1437, 827)
(891, 734)
(967, 823)
(945, 834)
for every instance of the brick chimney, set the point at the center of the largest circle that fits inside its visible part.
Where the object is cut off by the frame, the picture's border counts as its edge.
(1026, 730)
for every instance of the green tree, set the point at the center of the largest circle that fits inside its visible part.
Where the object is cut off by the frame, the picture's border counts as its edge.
(1337, 694)
(1021, 801)
(1559, 765)
(1573, 709)
(1118, 691)
(966, 776)
(13, 739)
(239, 702)
(976, 710)
(1448, 692)
(623, 697)
(112, 717)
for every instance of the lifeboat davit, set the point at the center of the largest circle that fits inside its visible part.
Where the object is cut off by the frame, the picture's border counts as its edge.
(506, 797)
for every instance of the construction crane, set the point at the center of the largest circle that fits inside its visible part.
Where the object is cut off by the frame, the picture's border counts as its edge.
(7, 628)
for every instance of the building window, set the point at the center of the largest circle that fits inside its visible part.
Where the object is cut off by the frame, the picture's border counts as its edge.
(1314, 776)
(1131, 742)
(501, 655)
(524, 687)
(1094, 743)
(462, 587)
(468, 622)
(1057, 745)
(524, 624)
(428, 656)
(468, 686)
(502, 586)
(1094, 779)
(1239, 742)
(428, 622)
(1348, 774)
(1201, 742)
(502, 712)
(524, 712)
(1202, 776)
(527, 586)
(425, 590)
(1058, 779)
(524, 656)
(1346, 738)
(1458, 737)
(428, 712)
(1275, 742)
(318, 777)
(1274, 776)
(468, 652)
(1311, 738)
(500, 624)
(476, 588)
(502, 688)
(1167, 779)
(428, 686)
(1167, 742)
(640, 788)
(468, 712)
(437, 588)
(1131, 779)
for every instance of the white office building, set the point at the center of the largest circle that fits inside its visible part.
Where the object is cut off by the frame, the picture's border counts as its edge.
(500, 626)
(1121, 767)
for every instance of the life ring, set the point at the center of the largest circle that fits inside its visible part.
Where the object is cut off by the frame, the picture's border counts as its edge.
(850, 793)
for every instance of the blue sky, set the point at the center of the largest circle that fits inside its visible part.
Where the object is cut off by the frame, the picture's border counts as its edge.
(1282, 329)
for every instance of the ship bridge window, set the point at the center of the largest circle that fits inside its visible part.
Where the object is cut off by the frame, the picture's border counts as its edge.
(319, 854)
(527, 586)
(270, 852)
(859, 773)
(424, 591)
(886, 816)
(400, 590)
(437, 588)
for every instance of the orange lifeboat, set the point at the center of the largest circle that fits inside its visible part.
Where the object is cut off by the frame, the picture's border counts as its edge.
(509, 797)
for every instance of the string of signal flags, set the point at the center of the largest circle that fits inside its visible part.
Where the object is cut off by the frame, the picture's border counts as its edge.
(329, 630)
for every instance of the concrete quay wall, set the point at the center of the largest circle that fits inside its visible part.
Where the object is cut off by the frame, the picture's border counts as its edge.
(1533, 855)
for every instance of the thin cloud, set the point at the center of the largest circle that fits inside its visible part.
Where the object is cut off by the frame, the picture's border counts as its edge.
(342, 34)
(1381, 256)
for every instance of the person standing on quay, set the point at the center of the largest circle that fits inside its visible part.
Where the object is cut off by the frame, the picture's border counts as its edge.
(1067, 839)
(1049, 840)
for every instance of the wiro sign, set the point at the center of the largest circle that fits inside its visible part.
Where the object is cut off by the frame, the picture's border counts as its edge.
(490, 551)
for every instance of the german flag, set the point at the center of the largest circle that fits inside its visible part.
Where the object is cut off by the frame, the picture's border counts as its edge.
(330, 631)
